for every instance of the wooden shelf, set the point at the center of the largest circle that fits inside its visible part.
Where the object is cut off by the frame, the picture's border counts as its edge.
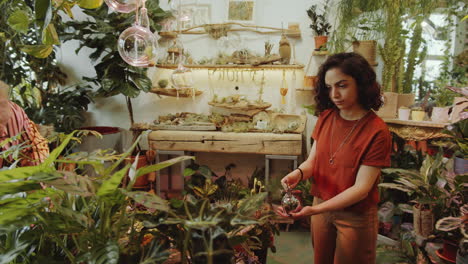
(235, 66)
(416, 123)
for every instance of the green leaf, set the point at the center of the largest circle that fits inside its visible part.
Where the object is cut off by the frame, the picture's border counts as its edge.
(38, 51)
(90, 4)
(251, 204)
(19, 173)
(19, 21)
(161, 165)
(149, 200)
(50, 36)
(57, 151)
(107, 254)
(141, 81)
(20, 186)
(189, 172)
(43, 10)
(111, 184)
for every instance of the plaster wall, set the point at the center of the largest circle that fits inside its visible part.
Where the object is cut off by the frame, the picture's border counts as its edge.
(147, 107)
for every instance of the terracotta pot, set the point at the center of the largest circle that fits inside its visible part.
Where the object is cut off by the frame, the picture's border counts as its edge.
(320, 41)
(368, 49)
(440, 114)
(449, 249)
(141, 182)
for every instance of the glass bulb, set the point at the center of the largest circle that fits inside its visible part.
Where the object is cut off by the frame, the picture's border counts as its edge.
(123, 6)
(182, 77)
(138, 46)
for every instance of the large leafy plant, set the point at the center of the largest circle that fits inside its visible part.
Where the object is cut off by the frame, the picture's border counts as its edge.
(48, 215)
(30, 32)
(113, 75)
(421, 185)
(319, 22)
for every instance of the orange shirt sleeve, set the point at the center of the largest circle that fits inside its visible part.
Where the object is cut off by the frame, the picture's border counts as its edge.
(379, 150)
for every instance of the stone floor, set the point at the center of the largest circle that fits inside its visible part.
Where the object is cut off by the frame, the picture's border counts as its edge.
(292, 247)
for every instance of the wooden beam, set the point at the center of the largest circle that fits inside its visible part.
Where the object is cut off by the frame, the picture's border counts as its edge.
(227, 142)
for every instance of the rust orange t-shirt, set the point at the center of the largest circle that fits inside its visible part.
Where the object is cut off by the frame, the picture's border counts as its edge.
(369, 144)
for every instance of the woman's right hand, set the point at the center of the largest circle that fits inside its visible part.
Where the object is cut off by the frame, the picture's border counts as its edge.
(291, 180)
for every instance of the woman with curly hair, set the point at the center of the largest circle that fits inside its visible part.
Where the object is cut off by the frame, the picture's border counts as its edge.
(351, 145)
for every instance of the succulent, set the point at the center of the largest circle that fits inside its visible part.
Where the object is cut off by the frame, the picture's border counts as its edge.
(163, 83)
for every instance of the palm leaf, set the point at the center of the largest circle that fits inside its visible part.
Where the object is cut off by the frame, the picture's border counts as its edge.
(111, 184)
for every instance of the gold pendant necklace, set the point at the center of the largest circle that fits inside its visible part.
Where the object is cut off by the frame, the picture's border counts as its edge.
(332, 155)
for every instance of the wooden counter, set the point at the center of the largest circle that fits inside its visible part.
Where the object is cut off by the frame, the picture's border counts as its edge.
(226, 142)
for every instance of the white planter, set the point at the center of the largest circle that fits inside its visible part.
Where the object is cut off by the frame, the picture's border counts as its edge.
(440, 114)
(404, 113)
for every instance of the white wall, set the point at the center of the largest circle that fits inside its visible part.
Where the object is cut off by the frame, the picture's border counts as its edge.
(147, 107)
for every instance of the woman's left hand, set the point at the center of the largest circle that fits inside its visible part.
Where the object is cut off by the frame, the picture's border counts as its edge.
(298, 213)
(305, 211)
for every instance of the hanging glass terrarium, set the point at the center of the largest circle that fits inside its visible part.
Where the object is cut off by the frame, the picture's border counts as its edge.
(137, 45)
(182, 78)
(123, 6)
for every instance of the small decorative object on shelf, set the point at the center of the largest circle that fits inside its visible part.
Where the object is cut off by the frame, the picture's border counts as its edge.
(284, 88)
(182, 78)
(319, 26)
(418, 114)
(404, 113)
(285, 50)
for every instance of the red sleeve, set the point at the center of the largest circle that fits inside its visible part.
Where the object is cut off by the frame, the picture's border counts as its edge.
(379, 150)
(319, 124)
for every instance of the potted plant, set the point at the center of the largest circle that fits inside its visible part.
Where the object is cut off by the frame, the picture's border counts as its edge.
(421, 186)
(63, 216)
(458, 225)
(319, 25)
(459, 133)
(443, 99)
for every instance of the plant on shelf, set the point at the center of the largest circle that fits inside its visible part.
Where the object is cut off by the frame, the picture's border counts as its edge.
(319, 25)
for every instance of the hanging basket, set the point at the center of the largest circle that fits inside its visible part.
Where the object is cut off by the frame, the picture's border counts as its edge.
(423, 220)
(368, 49)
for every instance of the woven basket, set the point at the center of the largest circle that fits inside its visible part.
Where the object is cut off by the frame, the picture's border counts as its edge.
(423, 221)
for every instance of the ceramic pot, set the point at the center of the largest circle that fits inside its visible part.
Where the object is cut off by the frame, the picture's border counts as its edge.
(440, 114)
(404, 113)
(320, 41)
(417, 115)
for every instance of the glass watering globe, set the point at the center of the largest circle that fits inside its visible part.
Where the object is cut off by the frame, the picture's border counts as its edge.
(291, 201)
(123, 6)
(137, 45)
(182, 78)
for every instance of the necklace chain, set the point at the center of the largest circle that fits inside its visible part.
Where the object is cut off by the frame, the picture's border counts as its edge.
(332, 155)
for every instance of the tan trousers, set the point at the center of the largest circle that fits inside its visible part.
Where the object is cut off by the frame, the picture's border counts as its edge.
(343, 237)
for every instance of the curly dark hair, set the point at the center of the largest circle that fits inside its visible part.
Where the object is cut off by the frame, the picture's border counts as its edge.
(356, 66)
